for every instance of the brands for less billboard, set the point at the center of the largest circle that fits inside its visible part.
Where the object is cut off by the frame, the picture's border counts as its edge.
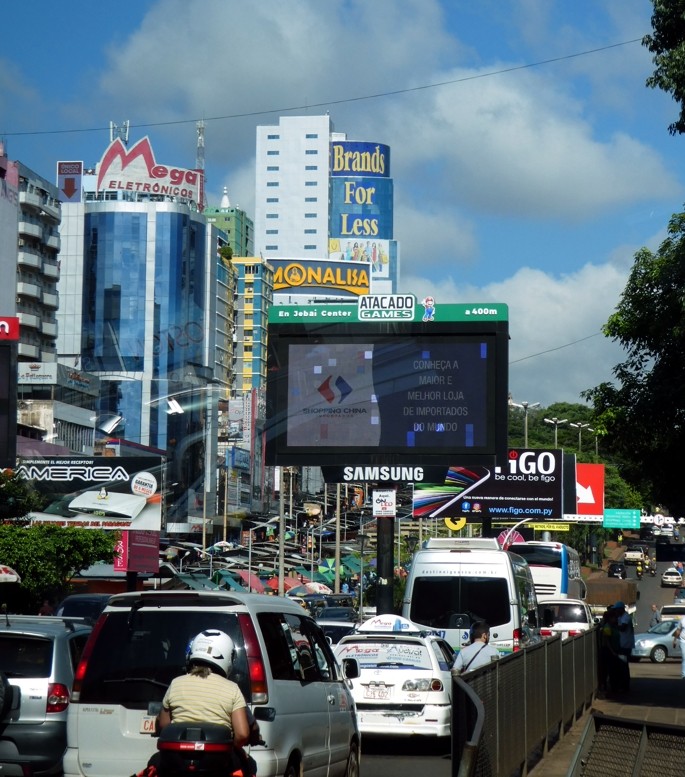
(97, 493)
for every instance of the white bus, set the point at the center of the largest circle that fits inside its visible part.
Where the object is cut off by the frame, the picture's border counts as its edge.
(555, 568)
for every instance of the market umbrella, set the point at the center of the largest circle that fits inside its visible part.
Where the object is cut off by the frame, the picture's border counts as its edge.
(8, 575)
(288, 583)
(311, 588)
(251, 579)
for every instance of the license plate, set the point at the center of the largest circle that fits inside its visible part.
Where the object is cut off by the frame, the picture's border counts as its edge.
(148, 724)
(376, 693)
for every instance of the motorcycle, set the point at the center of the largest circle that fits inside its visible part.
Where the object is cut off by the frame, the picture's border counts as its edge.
(639, 572)
(652, 571)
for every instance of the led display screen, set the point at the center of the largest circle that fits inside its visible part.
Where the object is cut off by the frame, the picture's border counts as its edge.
(369, 391)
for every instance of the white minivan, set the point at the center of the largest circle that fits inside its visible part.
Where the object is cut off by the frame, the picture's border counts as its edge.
(284, 666)
(456, 582)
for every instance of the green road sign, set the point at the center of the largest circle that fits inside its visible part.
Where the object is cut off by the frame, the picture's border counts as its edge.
(621, 519)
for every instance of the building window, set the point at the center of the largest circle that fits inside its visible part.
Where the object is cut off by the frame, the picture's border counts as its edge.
(310, 247)
(273, 137)
(312, 135)
(272, 215)
(272, 248)
(311, 199)
(311, 183)
(272, 199)
(311, 167)
(273, 183)
(311, 151)
(310, 231)
(310, 215)
(271, 231)
(272, 168)
(272, 153)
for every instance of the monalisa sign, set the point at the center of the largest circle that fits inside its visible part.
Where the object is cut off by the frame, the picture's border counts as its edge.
(307, 276)
(136, 170)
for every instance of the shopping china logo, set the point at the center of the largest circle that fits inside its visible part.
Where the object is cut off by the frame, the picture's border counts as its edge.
(340, 390)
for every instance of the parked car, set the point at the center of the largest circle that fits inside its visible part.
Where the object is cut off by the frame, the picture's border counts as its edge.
(39, 658)
(336, 630)
(87, 606)
(657, 643)
(671, 577)
(568, 617)
(283, 664)
(338, 614)
(617, 569)
(405, 682)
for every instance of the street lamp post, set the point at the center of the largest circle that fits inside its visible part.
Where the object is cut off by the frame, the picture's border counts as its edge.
(362, 540)
(556, 422)
(596, 441)
(580, 428)
(525, 406)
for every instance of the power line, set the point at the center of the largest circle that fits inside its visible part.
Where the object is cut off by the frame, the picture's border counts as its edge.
(342, 101)
(558, 348)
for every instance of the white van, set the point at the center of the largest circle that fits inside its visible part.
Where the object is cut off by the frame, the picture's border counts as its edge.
(455, 582)
(284, 666)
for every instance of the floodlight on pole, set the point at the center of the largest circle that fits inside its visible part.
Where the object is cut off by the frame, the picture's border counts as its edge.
(556, 422)
(580, 428)
(525, 406)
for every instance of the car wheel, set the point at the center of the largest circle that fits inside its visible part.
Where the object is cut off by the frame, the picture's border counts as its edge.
(5, 695)
(353, 761)
(292, 769)
(658, 654)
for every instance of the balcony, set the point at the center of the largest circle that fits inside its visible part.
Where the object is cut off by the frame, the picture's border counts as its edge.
(50, 300)
(29, 320)
(52, 210)
(31, 199)
(29, 257)
(51, 270)
(49, 328)
(30, 228)
(31, 352)
(53, 241)
(29, 290)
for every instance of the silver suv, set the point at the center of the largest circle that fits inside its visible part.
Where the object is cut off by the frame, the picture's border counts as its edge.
(38, 658)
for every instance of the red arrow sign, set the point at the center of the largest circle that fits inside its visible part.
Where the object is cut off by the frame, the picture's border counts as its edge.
(69, 187)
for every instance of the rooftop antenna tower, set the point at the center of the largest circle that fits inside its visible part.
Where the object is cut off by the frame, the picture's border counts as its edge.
(200, 155)
(121, 132)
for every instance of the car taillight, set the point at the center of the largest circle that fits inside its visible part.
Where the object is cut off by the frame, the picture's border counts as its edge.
(517, 639)
(255, 662)
(83, 663)
(574, 632)
(545, 632)
(58, 697)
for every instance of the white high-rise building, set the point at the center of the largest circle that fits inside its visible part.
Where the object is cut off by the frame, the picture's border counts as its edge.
(291, 187)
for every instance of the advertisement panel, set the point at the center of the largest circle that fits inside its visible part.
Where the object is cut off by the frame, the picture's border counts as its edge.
(8, 405)
(353, 157)
(589, 493)
(70, 181)
(136, 170)
(378, 254)
(320, 276)
(361, 208)
(137, 551)
(97, 492)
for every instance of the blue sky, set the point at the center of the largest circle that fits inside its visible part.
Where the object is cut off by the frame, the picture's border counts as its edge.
(526, 170)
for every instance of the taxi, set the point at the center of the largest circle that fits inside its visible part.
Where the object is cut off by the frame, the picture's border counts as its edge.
(404, 686)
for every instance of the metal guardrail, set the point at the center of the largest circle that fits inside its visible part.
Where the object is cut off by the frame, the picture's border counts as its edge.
(508, 715)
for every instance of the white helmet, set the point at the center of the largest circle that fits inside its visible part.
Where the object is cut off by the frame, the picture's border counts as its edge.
(212, 647)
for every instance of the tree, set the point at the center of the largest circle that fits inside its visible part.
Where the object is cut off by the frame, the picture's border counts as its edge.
(643, 412)
(668, 46)
(17, 496)
(47, 556)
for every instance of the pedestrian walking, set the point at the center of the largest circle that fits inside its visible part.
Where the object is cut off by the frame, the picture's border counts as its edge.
(655, 616)
(626, 632)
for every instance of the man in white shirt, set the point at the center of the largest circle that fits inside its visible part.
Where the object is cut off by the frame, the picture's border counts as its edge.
(479, 652)
(679, 634)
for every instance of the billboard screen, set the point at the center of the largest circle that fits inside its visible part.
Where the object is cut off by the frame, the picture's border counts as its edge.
(102, 492)
(8, 405)
(320, 277)
(386, 382)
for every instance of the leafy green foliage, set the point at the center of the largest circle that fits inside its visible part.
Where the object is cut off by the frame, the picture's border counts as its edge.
(47, 556)
(17, 496)
(643, 412)
(667, 44)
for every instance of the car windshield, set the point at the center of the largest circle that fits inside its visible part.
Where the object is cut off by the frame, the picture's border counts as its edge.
(561, 613)
(665, 627)
(386, 654)
(24, 656)
(138, 654)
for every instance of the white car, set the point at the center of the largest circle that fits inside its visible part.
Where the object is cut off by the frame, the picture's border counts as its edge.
(671, 577)
(568, 617)
(405, 683)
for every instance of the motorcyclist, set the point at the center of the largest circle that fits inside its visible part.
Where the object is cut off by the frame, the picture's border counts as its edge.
(638, 569)
(205, 694)
(652, 567)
